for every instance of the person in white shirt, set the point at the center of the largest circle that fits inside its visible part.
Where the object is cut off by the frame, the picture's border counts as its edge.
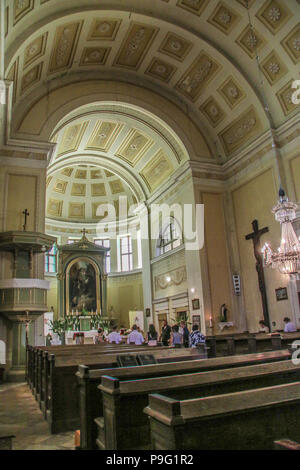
(114, 336)
(263, 328)
(135, 336)
(289, 326)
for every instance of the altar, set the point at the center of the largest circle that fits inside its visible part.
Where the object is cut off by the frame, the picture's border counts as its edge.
(82, 286)
(89, 336)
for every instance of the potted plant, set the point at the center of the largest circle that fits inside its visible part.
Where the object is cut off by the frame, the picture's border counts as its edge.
(59, 327)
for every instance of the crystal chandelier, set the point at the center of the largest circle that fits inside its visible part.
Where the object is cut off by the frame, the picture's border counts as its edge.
(287, 257)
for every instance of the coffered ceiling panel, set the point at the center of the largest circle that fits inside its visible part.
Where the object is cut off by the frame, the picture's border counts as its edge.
(35, 50)
(64, 46)
(241, 130)
(135, 45)
(174, 48)
(104, 29)
(82, 192)
(202, 70)
(71, 138)
(103, 135)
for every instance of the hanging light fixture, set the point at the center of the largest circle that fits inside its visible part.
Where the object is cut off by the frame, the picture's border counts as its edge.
(287, 257)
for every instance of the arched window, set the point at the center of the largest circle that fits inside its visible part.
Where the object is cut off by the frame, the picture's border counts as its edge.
(169, 239)
(51, 260)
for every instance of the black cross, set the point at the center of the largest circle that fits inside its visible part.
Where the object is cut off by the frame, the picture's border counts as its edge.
(26, 213)
(255, 237)
(83, 233)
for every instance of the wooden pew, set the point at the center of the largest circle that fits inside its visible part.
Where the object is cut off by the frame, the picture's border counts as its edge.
(123, 425)
(37, 363)
(286, 444)
(60, 402)
(6, 442)
(243, 343)
(247, 420)
(90, 399)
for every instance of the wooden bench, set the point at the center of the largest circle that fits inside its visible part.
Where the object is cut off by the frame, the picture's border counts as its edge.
(35, 377)
(6, 442)
(224, 345)
(34, 355)
(123, 425)
(247, 420)
(90, 401)
(59, 389)
(286, 444)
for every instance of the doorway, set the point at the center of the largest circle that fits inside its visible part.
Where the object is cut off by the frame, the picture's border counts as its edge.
(160, 318)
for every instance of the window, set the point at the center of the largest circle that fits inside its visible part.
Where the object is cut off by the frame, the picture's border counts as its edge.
(73, 240)
(126, 253)
(169, 239)
(106, 243)
(51, 260)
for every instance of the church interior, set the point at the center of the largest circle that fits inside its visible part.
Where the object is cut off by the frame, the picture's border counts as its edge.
(150, 175)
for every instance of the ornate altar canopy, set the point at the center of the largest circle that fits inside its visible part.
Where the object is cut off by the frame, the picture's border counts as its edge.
(82, 278)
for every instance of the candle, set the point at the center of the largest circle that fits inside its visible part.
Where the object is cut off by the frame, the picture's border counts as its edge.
(210, 322)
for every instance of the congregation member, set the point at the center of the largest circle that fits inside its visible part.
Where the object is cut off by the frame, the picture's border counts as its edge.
(176, 337)
(114, 336)
(196, 337)
(183, 329)
(99, 338)
(135, 336)
(165, 333)
(152, 336)
(289, 326)
(263, 328)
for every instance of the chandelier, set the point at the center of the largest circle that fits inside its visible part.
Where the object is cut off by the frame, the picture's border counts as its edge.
(287, 257)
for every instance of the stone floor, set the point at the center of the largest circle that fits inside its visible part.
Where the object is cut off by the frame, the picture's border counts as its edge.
(21, 416)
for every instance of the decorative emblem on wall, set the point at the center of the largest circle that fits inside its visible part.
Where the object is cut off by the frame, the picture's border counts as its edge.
(175, 277)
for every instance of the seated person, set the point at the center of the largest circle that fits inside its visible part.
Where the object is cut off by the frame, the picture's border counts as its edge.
(135, 336)
(196, 337)
(176, 337)
(263, 327)
(99, 338)
(289, 326)
(114, 336)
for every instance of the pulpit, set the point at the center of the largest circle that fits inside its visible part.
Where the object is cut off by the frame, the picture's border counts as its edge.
(23, 292)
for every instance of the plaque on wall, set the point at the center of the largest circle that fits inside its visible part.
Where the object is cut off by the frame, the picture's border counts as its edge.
(281, 293)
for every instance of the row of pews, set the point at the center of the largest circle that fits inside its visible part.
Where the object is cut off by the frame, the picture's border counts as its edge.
(243, 343)
(50, 373)
(180, 401)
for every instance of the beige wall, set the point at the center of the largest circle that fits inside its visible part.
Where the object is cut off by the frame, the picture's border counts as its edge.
(52, 300)
(21, 194)
(217, 255)
(124, 293)
(254, 199)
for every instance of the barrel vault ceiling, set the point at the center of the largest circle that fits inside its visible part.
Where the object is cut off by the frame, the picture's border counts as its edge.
(199, 54)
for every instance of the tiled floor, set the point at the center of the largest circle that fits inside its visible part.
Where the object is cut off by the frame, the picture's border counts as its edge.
(21, 416)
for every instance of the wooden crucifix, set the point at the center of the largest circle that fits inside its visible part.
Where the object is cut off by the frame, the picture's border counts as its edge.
(255, 237)
(26, 213)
